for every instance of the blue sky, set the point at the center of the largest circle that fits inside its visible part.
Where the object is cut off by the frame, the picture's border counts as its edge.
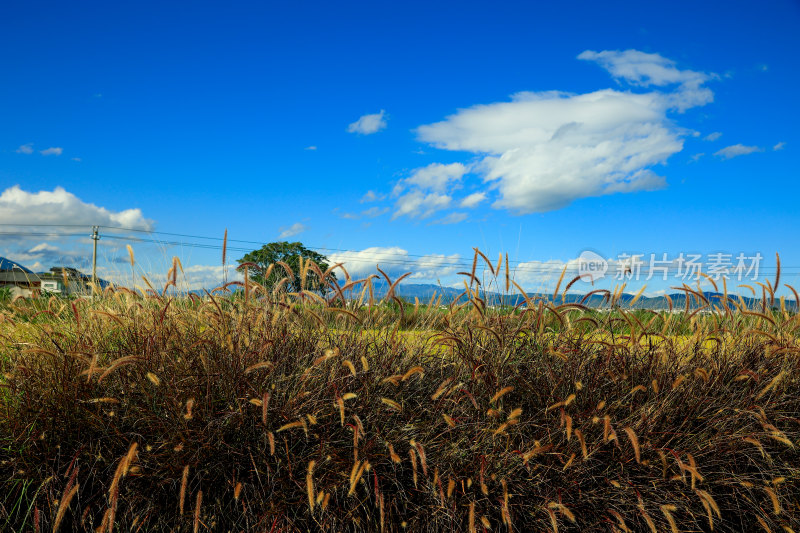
(406, 134)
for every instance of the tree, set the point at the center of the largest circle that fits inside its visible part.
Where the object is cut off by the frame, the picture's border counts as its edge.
(290, 253)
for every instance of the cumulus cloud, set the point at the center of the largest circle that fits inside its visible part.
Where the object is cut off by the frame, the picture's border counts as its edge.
(729, 152)
(543, 150)
(368, 124)
(25, 149)
(423, 193)
(292, 230)
(59, 206)
(712, 136)
(396, 261)
(53, 150)
(436, 176)
(419, 204)
(473, 199)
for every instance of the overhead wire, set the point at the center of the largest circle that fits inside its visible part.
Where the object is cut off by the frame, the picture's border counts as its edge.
(381, 257)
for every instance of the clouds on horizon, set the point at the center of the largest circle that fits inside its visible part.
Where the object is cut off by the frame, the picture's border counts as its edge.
(192, 277)
(395, 261)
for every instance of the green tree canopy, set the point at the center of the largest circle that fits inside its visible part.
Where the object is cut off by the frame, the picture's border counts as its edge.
(290, 253)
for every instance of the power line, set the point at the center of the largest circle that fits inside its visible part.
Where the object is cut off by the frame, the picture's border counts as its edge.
(422, 261)
(425, 260)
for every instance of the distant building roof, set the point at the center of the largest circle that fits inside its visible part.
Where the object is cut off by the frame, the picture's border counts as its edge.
(8, 264)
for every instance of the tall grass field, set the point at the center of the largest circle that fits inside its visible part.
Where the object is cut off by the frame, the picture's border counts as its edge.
(255, 409)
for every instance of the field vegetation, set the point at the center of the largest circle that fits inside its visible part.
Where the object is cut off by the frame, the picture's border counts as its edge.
(260, 409)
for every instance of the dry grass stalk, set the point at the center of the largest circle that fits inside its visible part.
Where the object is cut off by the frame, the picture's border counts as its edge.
(310, 485)
(63, 506)
(668, 510)
(471, 517)
(634, 442)
(182, 495)
(197, 504)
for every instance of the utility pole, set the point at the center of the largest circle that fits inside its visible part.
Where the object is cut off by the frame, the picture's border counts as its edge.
(95, 238)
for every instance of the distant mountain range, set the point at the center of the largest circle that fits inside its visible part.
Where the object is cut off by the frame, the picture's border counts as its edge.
(424, 292)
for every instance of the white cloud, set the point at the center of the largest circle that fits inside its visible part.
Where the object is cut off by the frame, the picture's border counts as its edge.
(208, 276)
(643, 69)
(729, 152)
(293, 230)
(779, 146)
(712, 136)
(543, 150)
(543, 275)
(473, 199)
(43, 247)
(436, 176)
(61, 207)
(311, 148)
(418, 204)
(53, 150)
(426, 189)
(530, 273)
(396, 261)
(25, 149)
(368, 124)
(696, 157)
(78, 159)
(452, 218)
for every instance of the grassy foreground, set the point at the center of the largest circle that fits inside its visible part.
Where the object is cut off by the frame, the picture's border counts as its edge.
(144, 412)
